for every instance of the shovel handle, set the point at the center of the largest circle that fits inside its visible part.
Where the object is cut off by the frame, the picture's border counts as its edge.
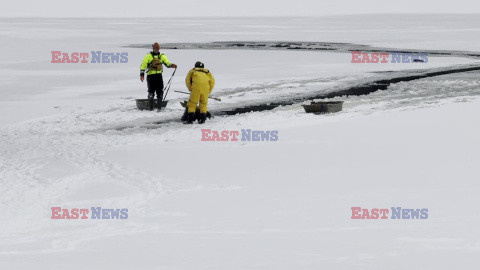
(218, 99)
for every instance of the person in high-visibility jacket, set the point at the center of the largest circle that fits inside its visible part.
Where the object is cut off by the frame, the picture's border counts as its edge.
(200, 83)
(153, 64)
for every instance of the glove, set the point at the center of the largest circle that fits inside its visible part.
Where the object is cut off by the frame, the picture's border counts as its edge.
(142, 78)
(173, 66)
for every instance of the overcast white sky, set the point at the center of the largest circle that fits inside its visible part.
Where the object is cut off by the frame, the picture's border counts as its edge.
(202, 8)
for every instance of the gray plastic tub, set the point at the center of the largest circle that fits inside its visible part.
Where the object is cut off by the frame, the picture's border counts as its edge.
(142, 104)
(322, 107)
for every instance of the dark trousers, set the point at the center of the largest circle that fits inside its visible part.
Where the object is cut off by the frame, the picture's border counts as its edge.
(155, 85)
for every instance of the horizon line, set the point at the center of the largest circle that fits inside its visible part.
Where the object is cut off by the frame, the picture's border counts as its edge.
(236, 16)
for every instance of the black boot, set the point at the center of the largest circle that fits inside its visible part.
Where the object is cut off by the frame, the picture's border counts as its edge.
(203, 117)
(185, 115)
(191, 117)
(159, 100)
(150, 101)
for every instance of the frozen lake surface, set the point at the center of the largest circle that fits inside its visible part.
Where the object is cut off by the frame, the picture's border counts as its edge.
(70, 136)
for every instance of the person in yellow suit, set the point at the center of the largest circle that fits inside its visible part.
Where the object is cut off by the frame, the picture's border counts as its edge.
(153, 64)
(200, 83)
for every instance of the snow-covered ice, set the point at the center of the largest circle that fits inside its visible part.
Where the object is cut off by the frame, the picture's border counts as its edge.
(70, 136)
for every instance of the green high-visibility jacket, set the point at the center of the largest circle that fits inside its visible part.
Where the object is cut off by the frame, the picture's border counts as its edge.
(147, 60)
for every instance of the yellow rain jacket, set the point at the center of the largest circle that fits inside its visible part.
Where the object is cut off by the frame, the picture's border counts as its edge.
(153, 63)
(200, 83)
